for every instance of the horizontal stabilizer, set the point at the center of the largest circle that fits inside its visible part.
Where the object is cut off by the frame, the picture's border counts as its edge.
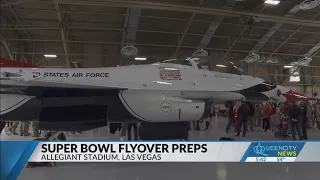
(12, 63)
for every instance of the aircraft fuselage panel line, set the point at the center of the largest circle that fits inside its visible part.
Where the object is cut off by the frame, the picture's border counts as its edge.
(130, 109)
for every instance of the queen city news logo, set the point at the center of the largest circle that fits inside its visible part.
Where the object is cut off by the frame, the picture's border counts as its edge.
(276, 149)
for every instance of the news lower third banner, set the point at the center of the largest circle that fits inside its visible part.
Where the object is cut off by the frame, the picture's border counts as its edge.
(15, 154)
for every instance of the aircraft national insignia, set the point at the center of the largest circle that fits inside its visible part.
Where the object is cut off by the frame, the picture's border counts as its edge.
(165, 107)
(170, 74)
(36, 74)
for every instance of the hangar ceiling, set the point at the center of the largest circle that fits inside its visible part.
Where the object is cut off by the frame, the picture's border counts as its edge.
(96, 30)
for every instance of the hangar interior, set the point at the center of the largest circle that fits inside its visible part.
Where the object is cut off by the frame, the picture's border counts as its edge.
(279, 43)
(263, 39)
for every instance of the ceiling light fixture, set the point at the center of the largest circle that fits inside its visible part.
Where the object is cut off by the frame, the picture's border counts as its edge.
(50, 55)
(219, 65)
(287, 66)
(273, 2)
(140, 58)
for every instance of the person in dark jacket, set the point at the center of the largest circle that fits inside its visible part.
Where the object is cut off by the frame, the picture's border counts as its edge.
(250, 115)
(304, 119)
(294, 114)
(243, 113)
(229, 105)
(196, 125)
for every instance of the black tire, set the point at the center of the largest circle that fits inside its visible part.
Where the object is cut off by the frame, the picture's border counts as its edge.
(62, 137)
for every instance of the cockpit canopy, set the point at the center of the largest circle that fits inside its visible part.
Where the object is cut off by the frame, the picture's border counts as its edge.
(228, 67)
(180, 61)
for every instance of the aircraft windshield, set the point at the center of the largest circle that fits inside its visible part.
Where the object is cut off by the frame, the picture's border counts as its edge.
(229, 67)
(180, 61)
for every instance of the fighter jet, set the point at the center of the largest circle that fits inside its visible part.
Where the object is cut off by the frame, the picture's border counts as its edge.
(172, 91)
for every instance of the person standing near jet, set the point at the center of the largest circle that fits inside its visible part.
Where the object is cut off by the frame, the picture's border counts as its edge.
(24, 128)
(243, 113)
(250, 115)
(196, 125)
(212, 114)
(257, 115)
(230, 105)
(135, 131)
(294, 114)
(265, 114)
(124, 128)
(35, 128)
(304, 119)
(13, 128)
(317, 114)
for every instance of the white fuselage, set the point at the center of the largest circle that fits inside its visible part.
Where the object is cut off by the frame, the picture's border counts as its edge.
(153, 93)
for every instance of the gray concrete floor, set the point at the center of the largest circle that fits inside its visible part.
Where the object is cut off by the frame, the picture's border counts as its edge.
(175, 171)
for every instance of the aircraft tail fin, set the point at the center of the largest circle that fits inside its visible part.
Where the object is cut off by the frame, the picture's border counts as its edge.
(11, 63)
(26, 60)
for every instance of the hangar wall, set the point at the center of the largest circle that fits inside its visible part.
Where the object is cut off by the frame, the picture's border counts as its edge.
(3, 51)
(257, 70)
(309, 91)
(93, 59)
(305, 91)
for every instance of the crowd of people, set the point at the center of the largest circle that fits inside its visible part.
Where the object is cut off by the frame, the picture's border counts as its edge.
(284, 119)
(23, 128)
(289, 119)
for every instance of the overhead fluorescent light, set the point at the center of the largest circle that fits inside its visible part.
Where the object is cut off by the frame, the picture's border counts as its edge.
(50, 55)
(273, 2)
(219, 65)
(140, 58)
(287, 66)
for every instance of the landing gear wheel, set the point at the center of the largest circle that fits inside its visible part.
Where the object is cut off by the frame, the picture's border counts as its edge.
(62, 137)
